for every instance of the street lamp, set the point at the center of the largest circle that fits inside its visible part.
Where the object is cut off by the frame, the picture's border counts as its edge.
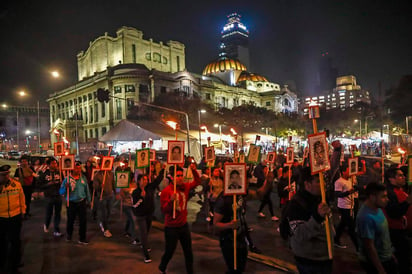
(200, 134)
(360, 132)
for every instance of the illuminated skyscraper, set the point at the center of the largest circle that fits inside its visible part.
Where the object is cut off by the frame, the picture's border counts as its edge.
(235, 40)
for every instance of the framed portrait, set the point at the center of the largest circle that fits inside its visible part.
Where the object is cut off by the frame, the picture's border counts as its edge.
(409, 169)
(122, 179)
(236, 154)
(209, 153)
(175, 152)
(353, 166)
(318, 152)
(289, 155)
(58, 149)
(142, 158)
(107, 163)
(152, 155)
(68, 162)
(253, 156)
(94, 172)
(314, 112)
(271, 157)
(242, 158)
(235, 179)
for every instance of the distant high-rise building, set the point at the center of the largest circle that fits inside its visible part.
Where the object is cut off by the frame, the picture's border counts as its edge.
(235, 40)
(327, 73)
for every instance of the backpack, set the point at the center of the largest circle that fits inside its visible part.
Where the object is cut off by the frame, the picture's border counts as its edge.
(284, 228)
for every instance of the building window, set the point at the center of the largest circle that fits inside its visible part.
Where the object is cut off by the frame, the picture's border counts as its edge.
(129, 88)
(118, 109)
(134, 53)
(84, 98)
(165, 60)
(79, 99)
(208, 96)
(90, 133)
(178, 63)
(96, 114)
(117, 89)
(268, 103)
(103, 104)
(143, 93)
(89, 96)
(91, 114)
(162, 89)
(157, 57)
(103, 131)
(130, 103)
(96, 133)
(148, 56)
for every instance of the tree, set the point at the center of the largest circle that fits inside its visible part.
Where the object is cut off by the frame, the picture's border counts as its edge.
(398, 100)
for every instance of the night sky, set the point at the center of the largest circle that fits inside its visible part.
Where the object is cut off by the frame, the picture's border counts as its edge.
(369, 39)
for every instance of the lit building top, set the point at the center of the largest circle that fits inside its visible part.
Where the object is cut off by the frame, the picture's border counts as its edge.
(234, 26)
(247, 76)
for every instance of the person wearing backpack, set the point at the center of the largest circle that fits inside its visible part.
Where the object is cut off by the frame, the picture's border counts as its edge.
(306, 215)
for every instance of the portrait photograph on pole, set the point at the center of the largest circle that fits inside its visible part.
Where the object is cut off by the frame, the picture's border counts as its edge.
(94, 172)
(353, 166)
(318, 151)
(210, 154)
(122, 179)
(152, 155)
(271, 157)
(68, 162)
(242, 157)
(235, 179)
(253, 156)
(107, 163)
(58, 149)
(175, 152)
(142, 158)
(289, 155)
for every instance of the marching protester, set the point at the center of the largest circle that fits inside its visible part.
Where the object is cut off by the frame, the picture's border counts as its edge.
(12, 209)
(177, 229)
(306, 214)
(127, 203)
(344, 191)
(224, 222)
(88, 172)
(76, 190)
(395, 211)
(105, 191)
(260, 172)
(26, 175)
(144, 207)
(50, 182)
(375, 250)
(216, 188)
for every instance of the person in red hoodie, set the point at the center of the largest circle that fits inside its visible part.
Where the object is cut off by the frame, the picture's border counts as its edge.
(177, 229)
(395, 211)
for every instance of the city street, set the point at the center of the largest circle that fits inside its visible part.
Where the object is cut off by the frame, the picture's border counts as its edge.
(45, 254)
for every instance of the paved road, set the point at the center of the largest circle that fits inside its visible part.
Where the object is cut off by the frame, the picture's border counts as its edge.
(45, 254)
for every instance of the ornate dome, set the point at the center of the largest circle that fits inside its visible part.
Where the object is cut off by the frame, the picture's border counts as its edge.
(222, 65)
(246, 76)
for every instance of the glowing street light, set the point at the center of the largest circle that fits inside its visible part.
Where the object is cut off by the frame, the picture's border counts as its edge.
(233, 131)
(22, 93)
(204, 128)
(172, 124)
(55, 74)
(200, 134)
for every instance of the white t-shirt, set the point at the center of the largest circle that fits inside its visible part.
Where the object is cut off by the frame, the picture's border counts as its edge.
(343, 185)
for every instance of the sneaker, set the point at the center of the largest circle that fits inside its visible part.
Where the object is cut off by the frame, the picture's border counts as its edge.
(147, 259)
(68, 238)
(57, 234)
(101, 227)
(274, 218)
(107, 234)
(340, 245)
(250, 229)
(261, 215)
(84, 242)
(127, 234)
(45, 229)
(256, 250)
(136, 242)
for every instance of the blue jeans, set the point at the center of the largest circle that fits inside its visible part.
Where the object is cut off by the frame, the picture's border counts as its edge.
(105, 208)
(56, 204)
(129, 227)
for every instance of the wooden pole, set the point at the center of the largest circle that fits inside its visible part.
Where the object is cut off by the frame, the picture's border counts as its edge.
(234, 234)
(289, 185)
(174, 185)
(104, 176)
(383, 161)
(322, 190)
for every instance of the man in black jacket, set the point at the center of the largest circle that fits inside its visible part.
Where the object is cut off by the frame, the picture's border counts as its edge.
(50, 182)
(306, 214)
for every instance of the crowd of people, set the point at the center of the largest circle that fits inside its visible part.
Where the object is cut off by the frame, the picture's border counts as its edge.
(375, 215)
